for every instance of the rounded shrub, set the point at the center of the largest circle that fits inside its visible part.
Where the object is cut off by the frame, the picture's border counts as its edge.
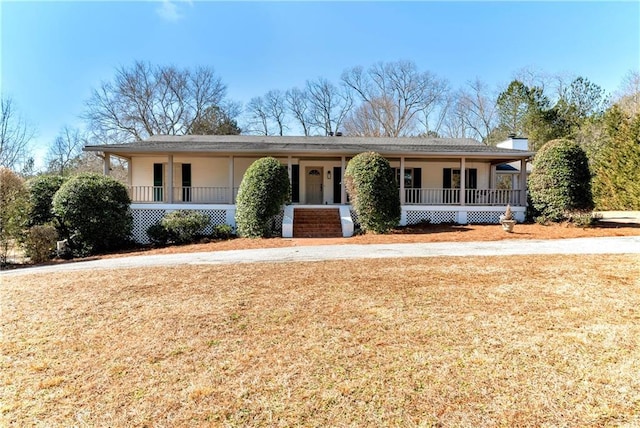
(264, 189)
(41, 191)
(94, 213)
(184, 226)
(373, 191)
(560, 183)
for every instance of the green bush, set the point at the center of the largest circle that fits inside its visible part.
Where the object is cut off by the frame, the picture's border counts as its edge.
(14, 207)
(373, 191)
(560, 183)
(157, 234)
(94, 213)
(222, 231)
(265, 188)
(40, 243)
(41, 191)
(184, 226)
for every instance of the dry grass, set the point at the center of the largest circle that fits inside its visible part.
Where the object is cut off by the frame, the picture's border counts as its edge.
(520, 341)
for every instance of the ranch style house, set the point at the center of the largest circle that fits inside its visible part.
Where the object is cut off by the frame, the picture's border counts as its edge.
(440, 180)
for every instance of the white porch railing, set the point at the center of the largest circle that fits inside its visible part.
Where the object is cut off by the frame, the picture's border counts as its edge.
(200, 195)
(147, 193)
(452, 197)
(188, 195)
(493, 197)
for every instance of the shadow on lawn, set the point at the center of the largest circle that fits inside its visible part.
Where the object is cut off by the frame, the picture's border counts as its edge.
(615, 225)
(423, 229)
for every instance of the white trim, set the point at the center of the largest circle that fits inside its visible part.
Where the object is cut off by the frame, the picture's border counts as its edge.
(287, 222)
(169, 179)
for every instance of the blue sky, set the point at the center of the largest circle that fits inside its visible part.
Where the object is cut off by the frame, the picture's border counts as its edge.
(53, 54)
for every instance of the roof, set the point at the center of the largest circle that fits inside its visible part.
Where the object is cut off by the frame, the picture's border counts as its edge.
(506, 168)
(272, 145)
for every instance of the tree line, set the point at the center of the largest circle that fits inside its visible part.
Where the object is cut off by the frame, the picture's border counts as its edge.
(386, 99)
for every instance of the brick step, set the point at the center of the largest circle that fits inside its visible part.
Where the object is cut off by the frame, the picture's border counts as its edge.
(317, 235)
(317, 223)
(318, 230)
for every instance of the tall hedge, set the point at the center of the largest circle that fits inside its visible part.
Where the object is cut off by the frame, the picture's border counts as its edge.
(94, 211)
(560, 183)
(374, 194)
(264, 189)
(41, 191)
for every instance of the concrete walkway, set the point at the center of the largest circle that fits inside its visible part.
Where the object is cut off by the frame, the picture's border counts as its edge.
(613, 245)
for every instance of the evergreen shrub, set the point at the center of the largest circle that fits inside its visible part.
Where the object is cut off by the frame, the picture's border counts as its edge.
(94, 213)
(560, 183)
(184, 226)
(264, 189)
(373, 192)
(41, 191)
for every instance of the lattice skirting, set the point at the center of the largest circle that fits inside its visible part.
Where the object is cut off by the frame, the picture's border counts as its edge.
(434, 217)
(276, 224)
(145, 217)
(476, 217)
(354, 219)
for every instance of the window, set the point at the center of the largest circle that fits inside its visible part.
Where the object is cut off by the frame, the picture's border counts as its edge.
(412, 177)
(158, 175)
(504, 181)
(186, 182)
(451, 178)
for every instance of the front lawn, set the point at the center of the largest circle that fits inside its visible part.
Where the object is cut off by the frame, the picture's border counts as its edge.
(518, 341)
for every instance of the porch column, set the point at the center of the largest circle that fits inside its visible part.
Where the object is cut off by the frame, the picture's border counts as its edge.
(106, 165)
(129, 171)
(343, 189)
(290, 171)
(170, 180)
(523, 182)
(463, 178)
(403, 196)
(492, 177)
(231, 176)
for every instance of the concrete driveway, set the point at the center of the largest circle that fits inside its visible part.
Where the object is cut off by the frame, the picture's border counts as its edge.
(613, 245)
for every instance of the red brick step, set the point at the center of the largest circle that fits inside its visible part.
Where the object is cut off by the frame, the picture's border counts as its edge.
(316, 223)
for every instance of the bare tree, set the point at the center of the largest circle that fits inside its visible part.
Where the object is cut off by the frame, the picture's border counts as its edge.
(455, 124)
(329, 104)
(297, 102)
(15, 135)
(406, 91)
(628, 96)
(364, 120)
(145, 100)
(477, 107)
(65, 150)
(258, 116)
(275, 105)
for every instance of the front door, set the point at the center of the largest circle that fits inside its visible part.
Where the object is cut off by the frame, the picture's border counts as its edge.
(313, 186)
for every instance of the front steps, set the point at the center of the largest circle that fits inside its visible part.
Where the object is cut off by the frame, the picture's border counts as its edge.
(317, 223)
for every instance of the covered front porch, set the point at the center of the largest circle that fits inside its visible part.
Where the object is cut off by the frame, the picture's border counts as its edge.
(216, 180)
